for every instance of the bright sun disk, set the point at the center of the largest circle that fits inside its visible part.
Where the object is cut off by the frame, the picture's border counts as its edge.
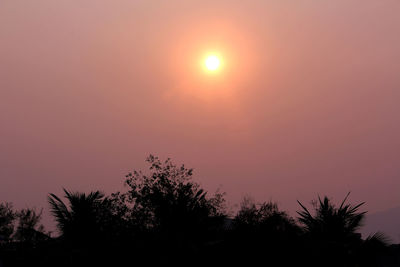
(212, 63)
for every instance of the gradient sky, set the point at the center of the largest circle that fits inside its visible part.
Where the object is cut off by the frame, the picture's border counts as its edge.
(307, 104)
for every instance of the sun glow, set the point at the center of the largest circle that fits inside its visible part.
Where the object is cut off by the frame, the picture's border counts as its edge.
(212, 63)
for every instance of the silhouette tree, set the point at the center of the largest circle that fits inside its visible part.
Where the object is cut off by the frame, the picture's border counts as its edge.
(7, 217)
(168, 205)
(29, 230)
(332, 233)
(92, 233)
(262, 230)
(266, 215)
(331, 223)
(167, 198)
(79, 221)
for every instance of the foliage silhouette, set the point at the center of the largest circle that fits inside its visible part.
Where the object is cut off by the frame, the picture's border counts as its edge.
(167, 198)
(170, 207)
(80, 220)
(266, 215)
(29, 230)
(7, 217)
(165, 218)
(330, 222)
(262, 229)
(332, 233)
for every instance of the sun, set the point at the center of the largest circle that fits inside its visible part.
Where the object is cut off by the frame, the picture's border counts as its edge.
(212, 63)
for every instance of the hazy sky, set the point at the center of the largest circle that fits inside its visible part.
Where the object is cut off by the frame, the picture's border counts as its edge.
(307, 102)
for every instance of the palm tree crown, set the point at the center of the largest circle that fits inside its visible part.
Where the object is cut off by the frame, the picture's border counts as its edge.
(81, 217)
(330, 222)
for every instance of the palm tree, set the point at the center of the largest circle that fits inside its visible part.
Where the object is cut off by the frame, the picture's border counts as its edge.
(333, 238)
(330, 222)
(80, 219)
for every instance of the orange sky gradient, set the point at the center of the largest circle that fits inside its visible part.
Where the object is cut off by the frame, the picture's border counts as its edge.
(306, 101)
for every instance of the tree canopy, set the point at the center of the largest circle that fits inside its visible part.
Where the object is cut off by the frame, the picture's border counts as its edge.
(165, 217)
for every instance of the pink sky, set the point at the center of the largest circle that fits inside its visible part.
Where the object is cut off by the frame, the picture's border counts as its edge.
(308, 103)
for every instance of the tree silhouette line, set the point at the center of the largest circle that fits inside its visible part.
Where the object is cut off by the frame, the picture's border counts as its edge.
(165, 218)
